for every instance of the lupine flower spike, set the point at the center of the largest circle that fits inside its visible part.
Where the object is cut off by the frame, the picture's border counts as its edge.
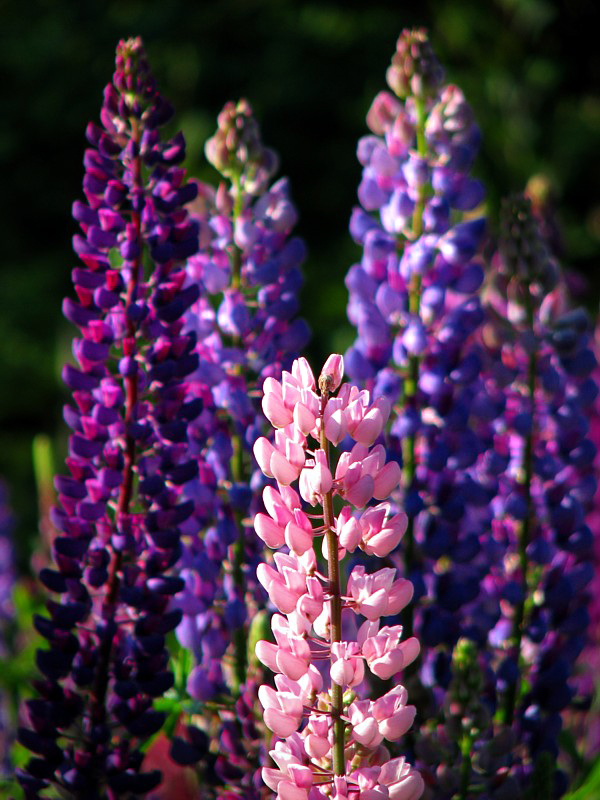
(121, 506)
(248, 274)
(330, 733)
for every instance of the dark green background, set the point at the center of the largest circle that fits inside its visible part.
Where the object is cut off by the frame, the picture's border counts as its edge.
(530, 68)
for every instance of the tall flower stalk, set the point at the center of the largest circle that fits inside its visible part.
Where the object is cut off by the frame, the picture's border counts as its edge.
(121, 507)
(541, 357)
(413, 300)
(331, 734)
(248, 274)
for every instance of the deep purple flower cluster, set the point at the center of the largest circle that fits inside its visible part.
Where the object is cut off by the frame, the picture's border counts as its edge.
(413, 301)
(121, 507)
(542, 465)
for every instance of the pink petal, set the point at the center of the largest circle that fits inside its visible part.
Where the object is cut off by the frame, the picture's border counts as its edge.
(269, 531)
(278, 415)
(263, 450)
(282, 470)
(386, 480)
(297, 539)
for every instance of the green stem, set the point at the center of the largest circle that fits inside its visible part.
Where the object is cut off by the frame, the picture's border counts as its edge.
(412, 378)
(333, 569)
(465, 767)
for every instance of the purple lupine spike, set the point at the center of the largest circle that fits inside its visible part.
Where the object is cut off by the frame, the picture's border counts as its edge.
(121, 508)
(246, 323)
(413, 300)
(540, 356)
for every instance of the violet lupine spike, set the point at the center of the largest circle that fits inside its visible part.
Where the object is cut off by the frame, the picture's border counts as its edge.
(121, 507)
(247, 270)
(330, 735)
(413, 300)
(543, 466)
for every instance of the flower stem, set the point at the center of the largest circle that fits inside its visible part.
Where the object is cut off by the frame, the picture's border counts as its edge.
(333, 568)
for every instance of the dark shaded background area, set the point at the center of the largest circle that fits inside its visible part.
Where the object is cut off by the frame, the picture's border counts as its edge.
(530, 68)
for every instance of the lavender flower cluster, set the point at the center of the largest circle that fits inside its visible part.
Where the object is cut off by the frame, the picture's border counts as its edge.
(458, 517)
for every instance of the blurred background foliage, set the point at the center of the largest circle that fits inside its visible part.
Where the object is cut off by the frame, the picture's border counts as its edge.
(530, 69)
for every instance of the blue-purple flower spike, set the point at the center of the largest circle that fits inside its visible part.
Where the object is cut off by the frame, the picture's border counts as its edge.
(541, 357)
(413, 300)
(248, 274)
(121, 506)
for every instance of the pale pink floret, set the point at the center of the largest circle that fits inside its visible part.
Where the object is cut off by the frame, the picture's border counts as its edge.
(273, 405)
(334, 417)
(381, 533)
(293, 779)
(393, 716)
(334, 369)
(283, 710)
(316, 479)
(348, 530)
(291, 653)
(286, 584)
(282, 461)
(272, 534)
(310, 605)
(401, 781)
(299, 533)
(303, 373)
(383, 651)
(365, 728)
(347, 666)
(378, 594)
(316, 736)
(362, 474)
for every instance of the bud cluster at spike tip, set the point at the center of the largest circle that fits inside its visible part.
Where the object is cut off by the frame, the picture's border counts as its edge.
(247, 270)
(414, 303)
(302, 710)
(540, 355)
(120, 507)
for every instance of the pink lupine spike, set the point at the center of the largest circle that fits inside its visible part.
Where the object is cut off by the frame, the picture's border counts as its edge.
(320, 759)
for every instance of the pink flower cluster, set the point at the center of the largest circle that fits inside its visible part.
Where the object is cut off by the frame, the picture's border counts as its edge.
(331, 732)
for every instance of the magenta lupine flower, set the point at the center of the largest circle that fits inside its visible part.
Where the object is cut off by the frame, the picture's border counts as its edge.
(330, 732)
(121, 507)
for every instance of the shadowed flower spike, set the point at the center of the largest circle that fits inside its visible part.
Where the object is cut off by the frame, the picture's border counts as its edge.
(121, 507)
(332, 734)
(247, 275)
